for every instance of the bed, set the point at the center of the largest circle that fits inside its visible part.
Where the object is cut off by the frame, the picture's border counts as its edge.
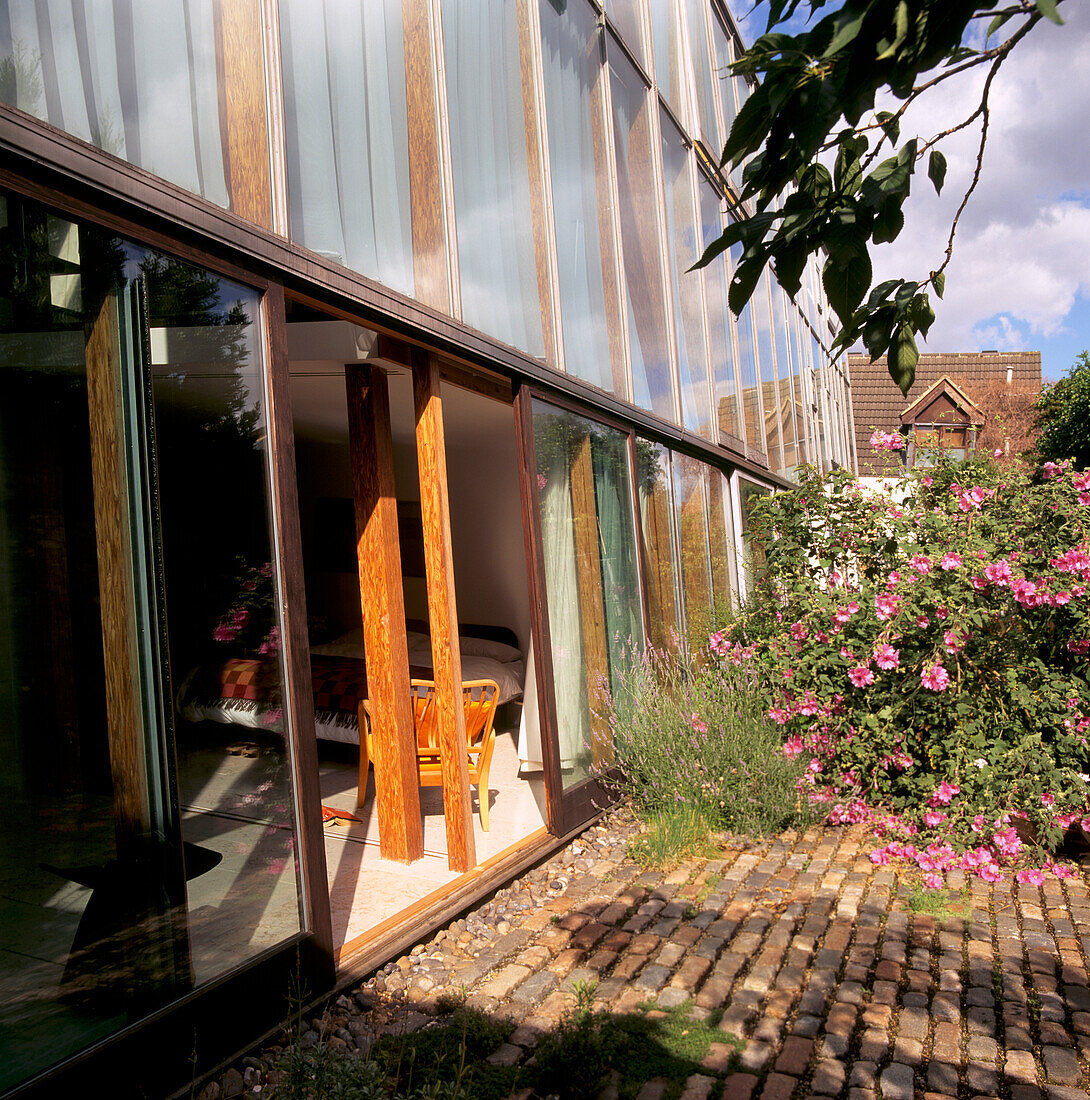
(234, 692)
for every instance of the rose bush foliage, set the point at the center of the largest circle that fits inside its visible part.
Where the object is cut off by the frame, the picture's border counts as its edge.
(927, 652)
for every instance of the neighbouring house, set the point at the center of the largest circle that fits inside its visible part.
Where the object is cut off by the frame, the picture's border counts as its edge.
(959, 402)
(358, 414)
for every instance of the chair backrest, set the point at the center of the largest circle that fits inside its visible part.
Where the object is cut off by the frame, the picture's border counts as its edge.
(479, 701)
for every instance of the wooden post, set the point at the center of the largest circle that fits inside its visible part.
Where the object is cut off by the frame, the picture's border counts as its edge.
(397, 789)
(442, 611)
(115, 580)
(243, 118)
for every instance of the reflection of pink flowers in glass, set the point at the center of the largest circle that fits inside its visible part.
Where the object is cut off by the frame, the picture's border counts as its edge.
(271, 644)
(276, 866)
(934, 677)
(224, 633)
(273, 716)
(542, 481)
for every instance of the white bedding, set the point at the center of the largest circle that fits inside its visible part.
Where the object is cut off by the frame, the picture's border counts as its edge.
(509, 675)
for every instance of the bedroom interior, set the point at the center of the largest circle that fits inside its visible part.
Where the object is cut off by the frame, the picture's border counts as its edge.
(488, 547)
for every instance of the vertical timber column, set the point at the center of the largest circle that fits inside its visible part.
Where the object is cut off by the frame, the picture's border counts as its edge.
(442, 611)
(430, 274)
(397, 787)
(243, 119)
(128, 766)
(591, 613)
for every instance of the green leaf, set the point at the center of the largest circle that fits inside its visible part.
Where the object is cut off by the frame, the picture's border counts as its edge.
(936, 170)
(749, 127)
(888, 223)
(902, 357)
(938, 281)
(1048, 9)
(997, 22)
(846, 32)
(900, 18)
(891, 125)
(744, 280)
(846, 279)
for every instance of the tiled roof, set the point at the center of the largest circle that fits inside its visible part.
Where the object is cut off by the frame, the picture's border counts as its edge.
(878, 403)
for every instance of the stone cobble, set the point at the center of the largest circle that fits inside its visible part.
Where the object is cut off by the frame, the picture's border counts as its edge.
(824, 981)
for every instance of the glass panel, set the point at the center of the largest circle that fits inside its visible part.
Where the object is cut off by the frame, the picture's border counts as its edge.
(719, 319)
(652, 383)
(626, 16)
(703, 75)
(138, 80)
(140, 856)
(692, 526)
(684, 249)
(762, 323)
(591, 577)
(488, 136)
(752, 550)
(578, 158)
(659, 551)
(669, 61)
(724, 81)
(347, 135)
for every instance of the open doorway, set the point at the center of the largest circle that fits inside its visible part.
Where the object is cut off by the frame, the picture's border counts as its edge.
(493, 611)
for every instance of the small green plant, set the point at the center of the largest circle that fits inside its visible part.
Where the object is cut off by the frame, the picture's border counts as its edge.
(940, 903)
(670, 836)
(584, 990)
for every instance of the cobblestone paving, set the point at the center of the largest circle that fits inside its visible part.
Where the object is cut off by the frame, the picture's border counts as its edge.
(833, 984)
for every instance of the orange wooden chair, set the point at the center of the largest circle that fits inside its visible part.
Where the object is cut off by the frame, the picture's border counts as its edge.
(480, 698)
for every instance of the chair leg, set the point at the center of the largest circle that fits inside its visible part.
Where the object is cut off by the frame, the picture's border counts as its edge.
(365, 767)
(482, 802)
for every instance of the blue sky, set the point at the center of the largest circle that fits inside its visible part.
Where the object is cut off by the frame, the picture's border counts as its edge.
(1020, 277)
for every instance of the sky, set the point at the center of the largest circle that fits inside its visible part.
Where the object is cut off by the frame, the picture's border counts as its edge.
(1020, 276)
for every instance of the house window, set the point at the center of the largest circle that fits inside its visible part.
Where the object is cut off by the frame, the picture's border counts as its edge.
(928, 439)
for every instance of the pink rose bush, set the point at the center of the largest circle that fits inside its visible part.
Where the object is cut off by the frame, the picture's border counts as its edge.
(937, 650)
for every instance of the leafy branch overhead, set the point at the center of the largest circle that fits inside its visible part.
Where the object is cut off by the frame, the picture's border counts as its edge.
(815, 106)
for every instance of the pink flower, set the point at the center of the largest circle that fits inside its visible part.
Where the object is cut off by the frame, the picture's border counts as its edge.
(886, 441)
(990, 872)
(921, 563)
(928, 481)
(953, 640)
(978, 582)
(922, 621)
(886, 657)
(1025, 592)
(934, 677)
(224, 633)
(777, 714)
(998, 572)
(950, 560)
(792, 746)
(1007, 842)
(542, 481)
(698, 723)
(799, 632)
(933, 818)
(880, 856)
(933, 881)
(1048, 800)
(886, 606)
(1061, 870)
(943, 794)
(861, 676)
(1032, 876)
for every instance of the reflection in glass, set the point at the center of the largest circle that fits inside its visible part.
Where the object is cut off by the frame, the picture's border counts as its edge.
(781, 312)
(720, 344)
(578, 155)
(721, 546)
(141, 856)
(690, 478)
(659, 552)
(137, 80)
(347, 135)
(652, 382)
(591, 577)
(724, 80)
(753, 551)
(684, 248)
(488, 135)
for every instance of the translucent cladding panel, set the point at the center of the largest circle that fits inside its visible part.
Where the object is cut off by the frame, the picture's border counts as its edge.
(488, 134)
(762, 324)
(627, 17)
(659, 551)
(670, 69)
(652, 383)
(684, 247)
(817, 358)
(721, 547)
(741, 94)
(753, 552)
(139, 858)
(690, 501)
(347, 142)
(798, 384)
(578, 162)
(724, 81)
(591, 576)
(785, 398)
(720, 322)
(697, 14)
(138, 80)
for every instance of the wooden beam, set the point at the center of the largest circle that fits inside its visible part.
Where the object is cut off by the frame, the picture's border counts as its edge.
(243, 115)
(442, 610)
(400, 831)
(132, 813)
